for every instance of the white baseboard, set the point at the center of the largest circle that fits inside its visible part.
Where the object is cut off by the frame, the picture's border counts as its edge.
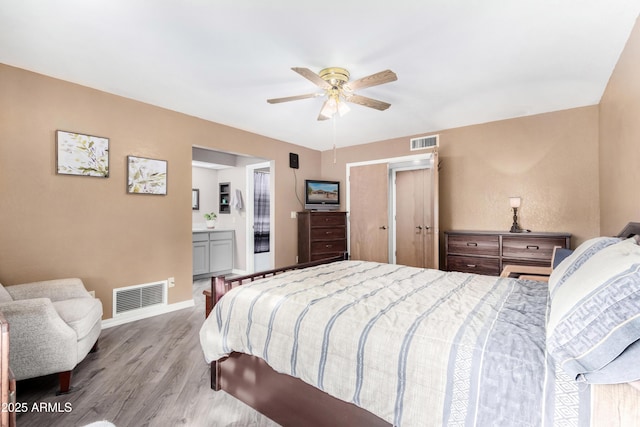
(148, 312)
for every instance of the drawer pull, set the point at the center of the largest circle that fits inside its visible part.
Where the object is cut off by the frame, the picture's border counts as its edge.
(328, 232)
(471, 265)
(328, 246)
(472, 244)
(536, 247)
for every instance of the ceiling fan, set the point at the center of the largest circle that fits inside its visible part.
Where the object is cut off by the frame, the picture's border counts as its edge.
(338, 90)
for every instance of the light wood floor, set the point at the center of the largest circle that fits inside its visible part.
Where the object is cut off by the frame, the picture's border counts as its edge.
(146, 373)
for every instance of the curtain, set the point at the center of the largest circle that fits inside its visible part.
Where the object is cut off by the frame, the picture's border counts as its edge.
(261, 212)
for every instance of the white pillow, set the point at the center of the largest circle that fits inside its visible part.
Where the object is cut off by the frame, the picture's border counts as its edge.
(582, 254)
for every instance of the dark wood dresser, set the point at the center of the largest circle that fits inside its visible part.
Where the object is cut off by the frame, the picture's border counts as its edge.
(487, 252)
(321, 235)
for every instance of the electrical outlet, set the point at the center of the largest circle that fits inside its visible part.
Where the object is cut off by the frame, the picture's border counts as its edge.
(172, 282)
(294, 215)
(92, 293)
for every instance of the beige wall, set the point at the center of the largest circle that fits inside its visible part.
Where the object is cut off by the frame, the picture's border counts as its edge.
(620, 141)
(54, 226)
(550, 160)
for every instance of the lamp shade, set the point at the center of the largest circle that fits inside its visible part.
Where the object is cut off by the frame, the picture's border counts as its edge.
(343, 108)
(514, 202)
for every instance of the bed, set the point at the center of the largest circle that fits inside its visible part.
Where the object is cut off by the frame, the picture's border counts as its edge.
(361, 343)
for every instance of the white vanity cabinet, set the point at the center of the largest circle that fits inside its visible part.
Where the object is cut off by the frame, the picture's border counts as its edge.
(212, 252)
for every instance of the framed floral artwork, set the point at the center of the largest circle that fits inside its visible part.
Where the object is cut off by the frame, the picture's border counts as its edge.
(146, 176)
(80, 154)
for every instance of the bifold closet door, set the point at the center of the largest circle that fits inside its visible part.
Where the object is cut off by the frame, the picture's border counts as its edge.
(415, 230)
(369, 212)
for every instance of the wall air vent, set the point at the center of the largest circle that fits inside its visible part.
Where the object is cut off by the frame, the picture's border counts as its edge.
(424, 142)
(138, 297)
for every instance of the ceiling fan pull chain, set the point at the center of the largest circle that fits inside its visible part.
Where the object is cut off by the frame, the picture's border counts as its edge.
(334, 138)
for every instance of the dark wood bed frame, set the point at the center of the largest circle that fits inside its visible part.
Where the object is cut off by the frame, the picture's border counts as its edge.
(287, 400)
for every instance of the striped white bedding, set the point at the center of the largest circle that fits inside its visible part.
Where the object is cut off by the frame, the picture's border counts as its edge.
(415, 347)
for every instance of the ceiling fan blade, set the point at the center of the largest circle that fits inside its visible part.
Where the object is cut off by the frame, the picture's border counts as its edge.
(382, 77)
(324, 111)
(368, 102)
(293, 98)
(312, 77)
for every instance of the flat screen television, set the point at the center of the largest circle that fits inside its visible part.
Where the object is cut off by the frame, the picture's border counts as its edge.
(322, 195)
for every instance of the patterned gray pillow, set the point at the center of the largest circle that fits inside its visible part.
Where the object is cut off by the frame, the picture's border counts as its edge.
(594, 316)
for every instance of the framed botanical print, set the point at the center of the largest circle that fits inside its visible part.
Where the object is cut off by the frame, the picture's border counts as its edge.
(80, 154)
(146, 176)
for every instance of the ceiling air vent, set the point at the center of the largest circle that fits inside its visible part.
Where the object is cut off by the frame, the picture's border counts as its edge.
(423, 142)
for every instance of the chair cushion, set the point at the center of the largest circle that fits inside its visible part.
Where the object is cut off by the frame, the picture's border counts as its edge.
(55, 290)
(81, 314)
(4, 295)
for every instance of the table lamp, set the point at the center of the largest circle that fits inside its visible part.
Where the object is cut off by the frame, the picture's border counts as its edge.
(515, 204)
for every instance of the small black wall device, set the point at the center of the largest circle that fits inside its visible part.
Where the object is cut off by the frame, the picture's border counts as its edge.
(293, 160)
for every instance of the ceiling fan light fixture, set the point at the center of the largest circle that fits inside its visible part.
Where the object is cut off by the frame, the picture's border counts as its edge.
(334, 105)
(329, 108)
(332, 108)
(343, 108)
(334, 81)
(335, 76)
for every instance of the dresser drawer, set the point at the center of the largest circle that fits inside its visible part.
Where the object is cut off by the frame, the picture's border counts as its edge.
(328, 233)
(325, 255)
(470, 264)
(529, 261)
(321, 219)
(532, 248)
(328, 246)
(473, 245)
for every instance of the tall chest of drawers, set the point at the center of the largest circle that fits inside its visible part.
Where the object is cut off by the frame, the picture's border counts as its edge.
(487, 252)
(321, 235)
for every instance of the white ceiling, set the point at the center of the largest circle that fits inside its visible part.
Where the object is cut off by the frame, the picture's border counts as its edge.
(458, 62)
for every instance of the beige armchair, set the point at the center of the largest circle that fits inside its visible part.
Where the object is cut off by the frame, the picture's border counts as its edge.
(53, 325)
